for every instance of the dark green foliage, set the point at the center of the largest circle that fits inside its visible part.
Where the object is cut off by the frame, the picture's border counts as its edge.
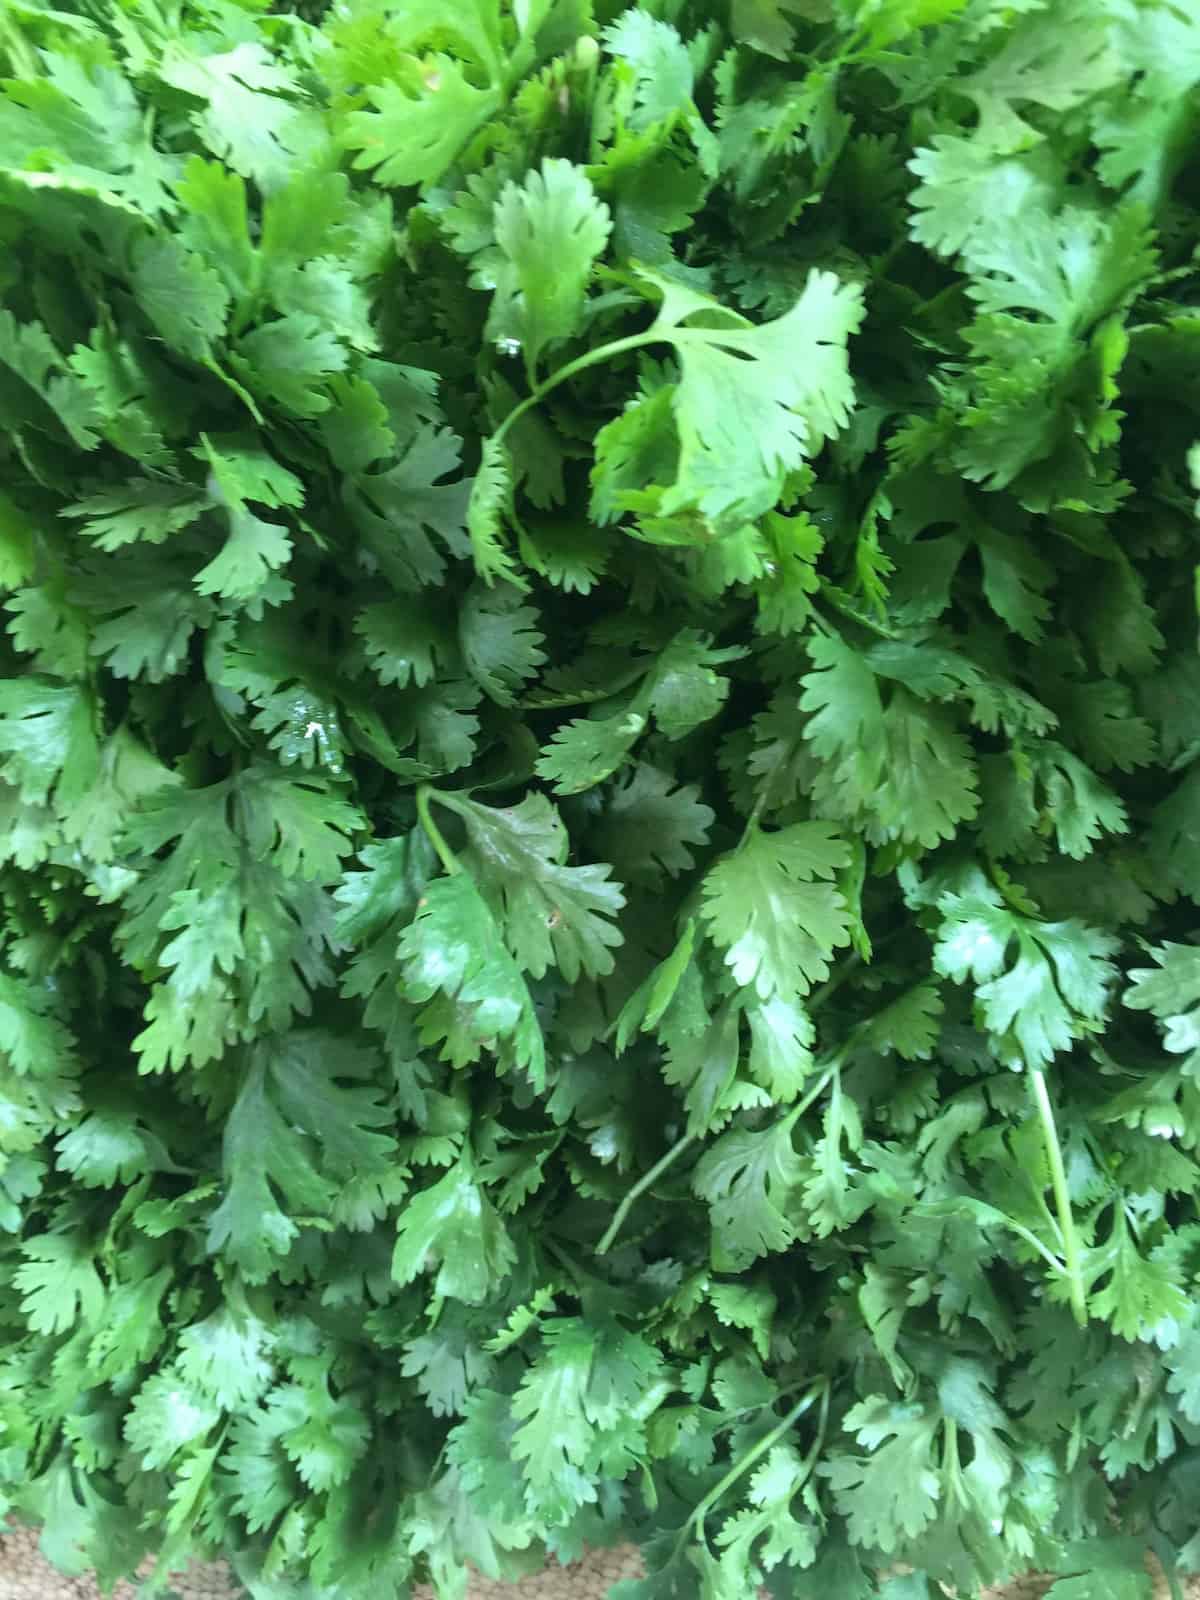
(598, 770)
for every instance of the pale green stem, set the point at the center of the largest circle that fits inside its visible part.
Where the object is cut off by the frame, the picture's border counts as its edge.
(1033, 1241)
(818, 1089)
(434, 834)
(656, 1171)
(646, 1181)
(744, 1463)
(1062, 1198)
(593, 358)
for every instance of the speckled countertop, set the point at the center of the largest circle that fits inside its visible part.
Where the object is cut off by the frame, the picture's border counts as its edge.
(25, 1576)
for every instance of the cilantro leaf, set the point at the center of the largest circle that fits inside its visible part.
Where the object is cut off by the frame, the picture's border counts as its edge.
(600, 638)
(418, 123)
(680, 691)
(771, 908)
(453, 1223)
(455, 964)
(549, 912)
(294, 1140)
(751, 402)
(1056, 988)
(891, 1494)
(500, 641)
(1171, 991)
(902, 770)
(549, 231)
(650, 826)
(747, 1179)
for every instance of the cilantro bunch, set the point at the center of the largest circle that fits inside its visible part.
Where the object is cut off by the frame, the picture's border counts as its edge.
(599, 733)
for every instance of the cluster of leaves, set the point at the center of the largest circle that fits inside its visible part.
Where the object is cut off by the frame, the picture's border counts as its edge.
(599, 775)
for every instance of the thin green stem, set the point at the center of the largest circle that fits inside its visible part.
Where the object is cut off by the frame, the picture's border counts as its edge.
(756, 811)
(432, 832)
(732, 1418)
(593, 358)
(818, 1089)
(835, 980)
(660, 1166)
(843, 603)
(1062, 1198)
(646, 1181)
(1035, 1243)
(744, 1463)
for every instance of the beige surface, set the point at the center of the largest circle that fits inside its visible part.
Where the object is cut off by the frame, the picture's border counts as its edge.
(25, 1576)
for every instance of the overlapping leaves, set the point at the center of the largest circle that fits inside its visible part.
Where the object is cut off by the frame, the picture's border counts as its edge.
(597, 790)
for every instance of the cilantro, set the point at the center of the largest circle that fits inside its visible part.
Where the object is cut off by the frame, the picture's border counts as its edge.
(771, 883)
(599, 775)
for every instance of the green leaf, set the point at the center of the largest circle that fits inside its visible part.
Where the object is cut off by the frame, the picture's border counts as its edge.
(287, 363)
(830, 1194)
(294, 1139)
(142, 509)
(455, 964)
(404, 642)
(902, 770)
(549, 231)
(767, 1532)
(184, 299)
(650, 825)
(481, 1448)
(453, 1226)
(1139, 1296)
(1054, 991)
(703, 1062)
(752, 403)
(681, 691)
(891, 1494)
(227, 1356)
(549, 913)
(652, 999)
(34, 1040)
(501, 642)
(601, 640)
(491, 492)
(580, 1404)
(781, 1039)
(747, 1179)
(48, 746)
(254, 548)
(773, 911)
(375, 905)
(1171, 991)
(418, 124)
(1037, 64)
(58, 1283)
(167, 1416)
(246, 122)
(31, 356)
(259, 895)
(216, 226)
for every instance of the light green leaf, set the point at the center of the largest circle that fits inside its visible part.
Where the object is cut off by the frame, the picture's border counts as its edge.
(455, 964)
(550, 913)
(452, 1225)
(772, 909)
(1054, 991)
(1171, 991)
(549, 231)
